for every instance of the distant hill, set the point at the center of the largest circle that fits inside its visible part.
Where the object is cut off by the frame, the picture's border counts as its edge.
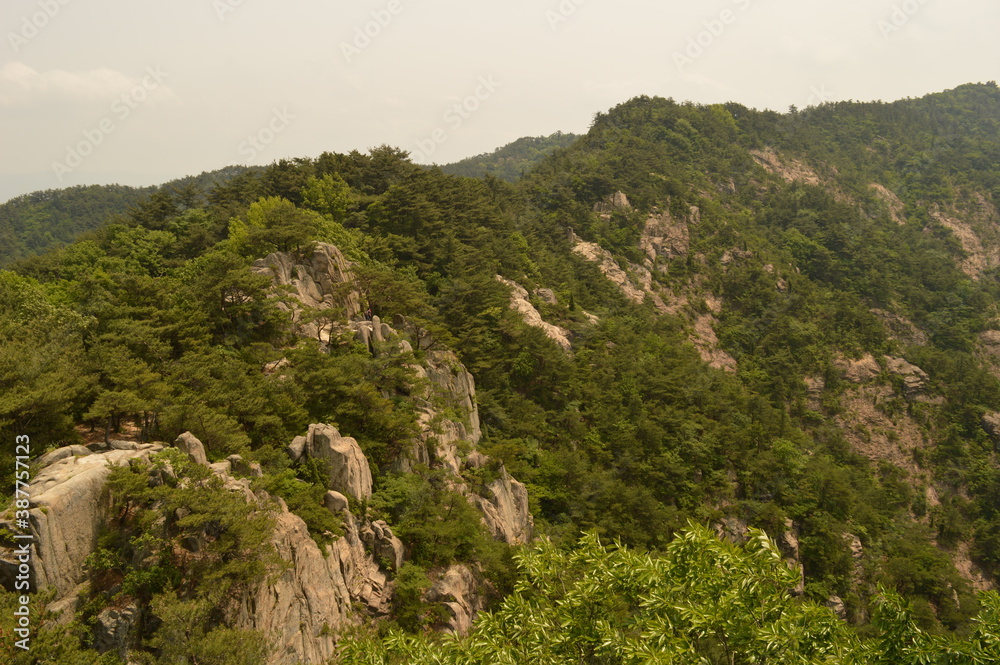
(512, 160)
(34, 223)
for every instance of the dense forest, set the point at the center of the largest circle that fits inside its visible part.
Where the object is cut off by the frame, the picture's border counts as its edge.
(511, 161)
(690, 324)
(35, 223)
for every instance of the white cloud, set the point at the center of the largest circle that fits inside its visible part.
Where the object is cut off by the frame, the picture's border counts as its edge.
(21, 85)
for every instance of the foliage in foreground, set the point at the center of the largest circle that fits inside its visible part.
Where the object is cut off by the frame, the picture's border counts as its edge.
(705, 601)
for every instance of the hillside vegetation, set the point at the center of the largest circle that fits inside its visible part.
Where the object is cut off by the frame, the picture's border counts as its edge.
(692, 315)
(512, 161)
(35, 223)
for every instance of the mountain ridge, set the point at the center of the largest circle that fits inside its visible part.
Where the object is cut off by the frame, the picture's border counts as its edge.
(694, 314)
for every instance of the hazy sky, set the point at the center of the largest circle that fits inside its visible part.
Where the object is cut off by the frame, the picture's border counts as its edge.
(138, 92)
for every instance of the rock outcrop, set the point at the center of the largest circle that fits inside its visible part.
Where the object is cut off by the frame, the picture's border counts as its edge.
(320, 281)
(519, 303)
(504, 505)
(302, 608)
(459, 591)
(594, 253)
(116, 629)
(893, 204)
(915, 380)
(387, 548)
(861, 370)
(346, 464)
(617, 201)
(707, 343)
(664, 239)
(69, 506)
(788, 169)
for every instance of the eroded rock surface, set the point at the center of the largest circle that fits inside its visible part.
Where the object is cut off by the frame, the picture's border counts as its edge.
(347, 466)
(505, 509)
(459, 590)
(189, 444)
(519, 303)
(69, 506)
(322, 280)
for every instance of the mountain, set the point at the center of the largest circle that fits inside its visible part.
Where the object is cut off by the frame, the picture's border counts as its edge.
(35, 223)
(513, 160)
(724, 376)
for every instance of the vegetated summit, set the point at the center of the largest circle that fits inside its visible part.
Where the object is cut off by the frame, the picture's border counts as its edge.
(692, 316)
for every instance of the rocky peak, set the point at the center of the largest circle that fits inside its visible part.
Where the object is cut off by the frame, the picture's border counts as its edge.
(320, 280)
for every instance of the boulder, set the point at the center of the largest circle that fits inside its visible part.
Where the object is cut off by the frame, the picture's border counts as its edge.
(547, 296)
(297, 448)
(347, 465)
(116, 629)
(617, 201)
(336, 502)
(161, 474)
(476, 460)
(241, 467)
(189, 444)
(915, 380)
(836, 604)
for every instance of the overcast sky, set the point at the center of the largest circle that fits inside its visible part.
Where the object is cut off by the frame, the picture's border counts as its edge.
(139, 92)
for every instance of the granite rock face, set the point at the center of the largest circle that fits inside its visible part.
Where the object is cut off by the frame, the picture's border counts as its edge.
(320, 281)
(519, 303)
(347, 466)
(505, 510)
(70, 504)
(460, 592)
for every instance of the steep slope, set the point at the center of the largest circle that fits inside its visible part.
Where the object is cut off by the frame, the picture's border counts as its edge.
(693, 313)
